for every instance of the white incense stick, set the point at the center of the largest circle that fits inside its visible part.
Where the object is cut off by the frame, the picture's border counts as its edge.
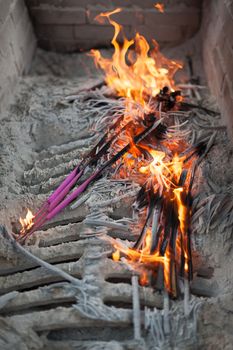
(186, 297)
(166, 324)
(136, 308)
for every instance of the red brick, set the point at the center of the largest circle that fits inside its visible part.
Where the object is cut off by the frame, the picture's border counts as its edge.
(174, 17)
(65, 3)
(58, 45)
(102, 34)
(162, 33)
(54, 32)
(57, 15)
(141, 3)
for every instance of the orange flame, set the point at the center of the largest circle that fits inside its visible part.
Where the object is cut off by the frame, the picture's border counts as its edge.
(182, 215)
(135, 75)
(26, 223)
(159, 6)
(138, 73)
(163, 172)
(116, 255)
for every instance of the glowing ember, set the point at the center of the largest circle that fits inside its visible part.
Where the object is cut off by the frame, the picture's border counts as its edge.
(135, 74)
(26, 223)
(159, 6)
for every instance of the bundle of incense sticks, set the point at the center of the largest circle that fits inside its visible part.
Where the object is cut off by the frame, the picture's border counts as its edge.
(60, 199)
(163, 246)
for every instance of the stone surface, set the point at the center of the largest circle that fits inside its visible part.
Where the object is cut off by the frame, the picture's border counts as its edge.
(217, 29)
(17, 46)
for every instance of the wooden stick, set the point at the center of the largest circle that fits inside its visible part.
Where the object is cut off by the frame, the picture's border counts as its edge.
(136, 308)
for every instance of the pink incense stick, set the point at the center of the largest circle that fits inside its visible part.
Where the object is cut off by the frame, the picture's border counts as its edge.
(63, 184)
(64, 192)
(44, 209)
(73, 195)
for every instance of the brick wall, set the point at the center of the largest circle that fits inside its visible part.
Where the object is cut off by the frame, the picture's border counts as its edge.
(68, 25)
(17, 44)
(217, 32)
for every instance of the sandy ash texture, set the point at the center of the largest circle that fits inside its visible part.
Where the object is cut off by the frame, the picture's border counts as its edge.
(37, 121)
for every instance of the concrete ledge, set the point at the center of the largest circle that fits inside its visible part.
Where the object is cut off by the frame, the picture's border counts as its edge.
(17, 45)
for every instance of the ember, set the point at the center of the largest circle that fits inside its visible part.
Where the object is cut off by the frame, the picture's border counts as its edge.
(141, 144)
(159, 6)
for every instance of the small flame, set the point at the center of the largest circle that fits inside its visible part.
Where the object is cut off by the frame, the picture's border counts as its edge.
(26, 223)
(144, 280)
(159, 6)
(116, 255)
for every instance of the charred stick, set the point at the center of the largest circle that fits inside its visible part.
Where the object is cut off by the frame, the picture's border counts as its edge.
(141, 200)
(100, 144)
(189, 251)
(141, 237)
(104, 148)
(136, 139)
(190, 65)
(173, 275)
(150, 209)
(204, 109)
(155, 229)
(169, 221)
